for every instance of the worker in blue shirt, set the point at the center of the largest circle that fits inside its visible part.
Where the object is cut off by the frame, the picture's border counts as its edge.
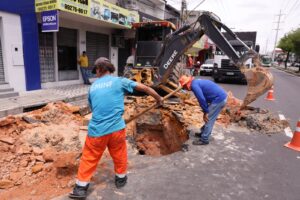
(212, 99)
(107, 127)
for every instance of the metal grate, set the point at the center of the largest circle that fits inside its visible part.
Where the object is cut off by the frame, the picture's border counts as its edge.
(2, 78)
(97, 45)
(225, 64)
(47, 57)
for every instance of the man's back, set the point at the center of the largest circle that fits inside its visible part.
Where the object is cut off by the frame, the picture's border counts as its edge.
(213, 93)
(106, 98)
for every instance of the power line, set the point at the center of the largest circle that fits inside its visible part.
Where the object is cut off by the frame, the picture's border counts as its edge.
(294, 7)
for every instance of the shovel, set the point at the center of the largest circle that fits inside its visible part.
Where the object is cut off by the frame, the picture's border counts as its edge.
(152, 106)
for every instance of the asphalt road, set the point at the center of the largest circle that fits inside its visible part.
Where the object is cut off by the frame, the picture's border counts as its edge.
(286, 94)
(234, 166)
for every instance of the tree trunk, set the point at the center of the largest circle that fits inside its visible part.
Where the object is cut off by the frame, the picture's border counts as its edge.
(286, 60)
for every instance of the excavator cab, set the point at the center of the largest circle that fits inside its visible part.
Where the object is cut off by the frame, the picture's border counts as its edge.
(149, 40)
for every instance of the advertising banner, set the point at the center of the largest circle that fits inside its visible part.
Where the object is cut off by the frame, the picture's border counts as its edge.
(97, 9)
(103, 10)
(50, 21)
(43, 5)
(80, 7)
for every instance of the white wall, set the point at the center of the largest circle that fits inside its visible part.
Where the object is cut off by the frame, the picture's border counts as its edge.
(154, 8)
(11, 38)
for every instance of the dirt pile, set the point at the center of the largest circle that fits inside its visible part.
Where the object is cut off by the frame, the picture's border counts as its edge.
(251, 118)
(39, 147)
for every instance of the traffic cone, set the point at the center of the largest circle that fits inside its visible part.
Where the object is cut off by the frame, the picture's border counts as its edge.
(295, 142)
(270, 96)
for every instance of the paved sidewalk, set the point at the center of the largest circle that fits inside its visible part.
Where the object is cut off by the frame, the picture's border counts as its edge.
(290, 69)
(32, 99)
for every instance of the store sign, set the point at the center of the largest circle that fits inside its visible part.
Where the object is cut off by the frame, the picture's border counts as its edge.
(43, 5)
(97, 9)
(50, 21)
(103, 10)
(80, 7)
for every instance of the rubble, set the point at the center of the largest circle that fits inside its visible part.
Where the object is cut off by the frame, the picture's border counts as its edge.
(32, 148)
(42, 147)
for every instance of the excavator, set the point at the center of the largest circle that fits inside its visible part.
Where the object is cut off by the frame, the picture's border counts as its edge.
(163, 74)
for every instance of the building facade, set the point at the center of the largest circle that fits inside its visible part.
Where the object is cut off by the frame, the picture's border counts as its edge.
(19, 61)
(33, 58)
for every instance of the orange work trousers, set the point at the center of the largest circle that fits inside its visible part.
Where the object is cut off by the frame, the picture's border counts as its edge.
(93, 150)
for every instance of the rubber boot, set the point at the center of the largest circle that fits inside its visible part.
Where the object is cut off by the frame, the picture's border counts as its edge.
(120, 182)
(79, 192)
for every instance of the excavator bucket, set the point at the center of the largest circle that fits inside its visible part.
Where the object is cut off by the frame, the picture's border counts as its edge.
(260, 80)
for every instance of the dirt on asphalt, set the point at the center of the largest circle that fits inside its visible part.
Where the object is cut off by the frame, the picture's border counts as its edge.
(40, 150)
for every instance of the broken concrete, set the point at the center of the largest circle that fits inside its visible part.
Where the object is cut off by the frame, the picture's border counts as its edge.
(48, 151)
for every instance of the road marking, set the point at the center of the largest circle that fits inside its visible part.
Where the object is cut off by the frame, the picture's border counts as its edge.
(287, 130)
(281, 117)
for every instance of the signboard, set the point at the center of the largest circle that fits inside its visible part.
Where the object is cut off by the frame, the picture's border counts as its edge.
(43, 5)
(50, 21)
(103, 10)
(80, 7)
(97, 9)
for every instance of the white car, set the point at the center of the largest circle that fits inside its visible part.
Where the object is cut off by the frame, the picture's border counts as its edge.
(207, 67)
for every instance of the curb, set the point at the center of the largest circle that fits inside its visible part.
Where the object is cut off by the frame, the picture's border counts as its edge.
(287, 71)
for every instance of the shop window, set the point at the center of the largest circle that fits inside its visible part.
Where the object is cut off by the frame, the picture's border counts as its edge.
(67, 54)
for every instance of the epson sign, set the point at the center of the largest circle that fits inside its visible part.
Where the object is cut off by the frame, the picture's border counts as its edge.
(166, 66)
(50, 21)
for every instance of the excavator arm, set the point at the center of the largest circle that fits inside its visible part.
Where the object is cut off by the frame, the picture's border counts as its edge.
(259, 79)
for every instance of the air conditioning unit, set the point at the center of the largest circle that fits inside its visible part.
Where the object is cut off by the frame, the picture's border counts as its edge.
(118, 41)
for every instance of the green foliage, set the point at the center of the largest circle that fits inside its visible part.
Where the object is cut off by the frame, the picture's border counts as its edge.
(291, 42)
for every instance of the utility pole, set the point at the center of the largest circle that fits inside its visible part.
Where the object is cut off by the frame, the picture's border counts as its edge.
(183, 12)
(277, 30)
(266, 47)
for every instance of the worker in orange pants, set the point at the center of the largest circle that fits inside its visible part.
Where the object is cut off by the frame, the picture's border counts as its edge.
(93, 150)
(107, 127)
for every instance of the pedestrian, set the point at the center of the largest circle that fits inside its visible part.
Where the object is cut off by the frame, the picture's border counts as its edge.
(106, 129)
(83, 61)
(190, 63)
(212, 99)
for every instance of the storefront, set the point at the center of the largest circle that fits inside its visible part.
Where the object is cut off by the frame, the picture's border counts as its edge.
(19, 61)
(83, 26)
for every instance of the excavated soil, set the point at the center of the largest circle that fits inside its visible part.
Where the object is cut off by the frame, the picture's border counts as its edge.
(165, 136)
(39, 150)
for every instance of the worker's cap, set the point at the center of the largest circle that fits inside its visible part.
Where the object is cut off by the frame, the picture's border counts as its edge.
(104, 63)
(184, 80)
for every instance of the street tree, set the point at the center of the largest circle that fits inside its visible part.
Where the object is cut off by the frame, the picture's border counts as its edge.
(291, 43)
(287, 45)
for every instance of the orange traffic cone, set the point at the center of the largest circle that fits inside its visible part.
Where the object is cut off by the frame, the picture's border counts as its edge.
(295, 142)
(270, 96)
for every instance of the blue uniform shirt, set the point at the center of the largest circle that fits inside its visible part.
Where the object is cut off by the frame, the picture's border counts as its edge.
(106, 99)
(207, 92)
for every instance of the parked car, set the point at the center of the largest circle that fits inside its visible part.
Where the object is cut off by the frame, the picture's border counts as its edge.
(207, 67)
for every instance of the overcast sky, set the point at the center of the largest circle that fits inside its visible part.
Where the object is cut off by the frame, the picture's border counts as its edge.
(252, 15)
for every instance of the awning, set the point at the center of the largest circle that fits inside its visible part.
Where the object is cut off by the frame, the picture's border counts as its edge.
(96, 9)
(198, 46)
